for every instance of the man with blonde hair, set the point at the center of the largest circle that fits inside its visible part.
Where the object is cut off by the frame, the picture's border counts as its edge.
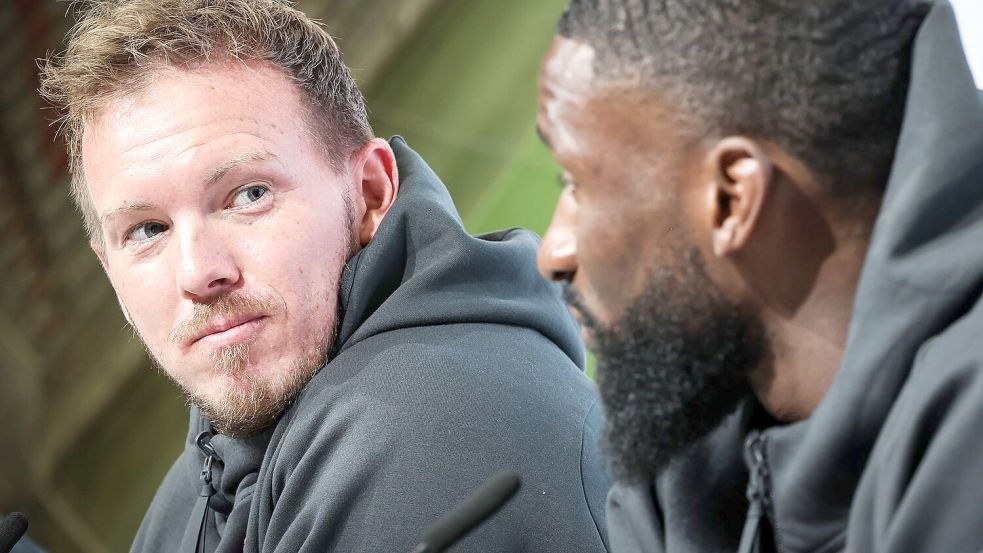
(356, 362)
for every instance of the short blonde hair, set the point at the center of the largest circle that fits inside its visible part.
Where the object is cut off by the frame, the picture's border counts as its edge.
(116, 45)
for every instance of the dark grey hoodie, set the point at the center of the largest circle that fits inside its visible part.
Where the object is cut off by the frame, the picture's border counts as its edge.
(892, 459)
(453, 360)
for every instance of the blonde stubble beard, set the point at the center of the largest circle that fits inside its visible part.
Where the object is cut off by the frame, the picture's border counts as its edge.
(246, 403)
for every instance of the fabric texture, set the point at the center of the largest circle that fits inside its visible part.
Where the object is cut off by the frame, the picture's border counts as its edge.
(891, 459)
(454, 360)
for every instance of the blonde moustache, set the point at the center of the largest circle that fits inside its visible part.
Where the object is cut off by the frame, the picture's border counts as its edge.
(225, 306)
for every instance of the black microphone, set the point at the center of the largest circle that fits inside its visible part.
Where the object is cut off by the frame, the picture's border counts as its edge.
(471, 512)
(12, 528)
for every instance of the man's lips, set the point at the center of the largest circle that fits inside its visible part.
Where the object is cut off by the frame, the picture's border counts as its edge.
(584, 318)
(226, 331)
(578, 314)
(586, 333)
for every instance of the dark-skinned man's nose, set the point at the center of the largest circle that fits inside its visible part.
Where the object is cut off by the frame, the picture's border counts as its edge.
(207, 268)
(557, 256)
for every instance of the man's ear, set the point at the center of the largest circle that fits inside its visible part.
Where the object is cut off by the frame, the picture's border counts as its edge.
(741, 178)
(376, 180)
(99, 249)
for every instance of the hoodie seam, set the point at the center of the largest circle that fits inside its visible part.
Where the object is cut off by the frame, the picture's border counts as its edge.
(583, 487)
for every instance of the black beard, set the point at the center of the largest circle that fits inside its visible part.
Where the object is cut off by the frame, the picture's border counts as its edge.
(671, 368)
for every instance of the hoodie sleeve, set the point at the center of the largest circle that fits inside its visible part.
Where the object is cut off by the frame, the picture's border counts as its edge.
(923, 488)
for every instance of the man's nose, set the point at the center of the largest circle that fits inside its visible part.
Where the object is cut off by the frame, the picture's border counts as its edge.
(207, 267)
(557, 256)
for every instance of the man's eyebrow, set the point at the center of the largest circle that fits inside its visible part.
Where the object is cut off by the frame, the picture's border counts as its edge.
(224, 168)
(125, 208)
(215, 176)
(543, 137)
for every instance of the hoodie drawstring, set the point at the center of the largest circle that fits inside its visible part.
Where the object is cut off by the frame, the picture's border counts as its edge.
(194, 536)
(758, 496)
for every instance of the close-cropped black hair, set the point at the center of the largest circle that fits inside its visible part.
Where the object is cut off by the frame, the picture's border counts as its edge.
(825, 79)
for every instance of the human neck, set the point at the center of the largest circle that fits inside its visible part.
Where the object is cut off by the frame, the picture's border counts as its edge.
(807, 344)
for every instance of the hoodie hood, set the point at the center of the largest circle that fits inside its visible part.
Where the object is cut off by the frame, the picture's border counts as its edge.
(922, 272)
(422, 268)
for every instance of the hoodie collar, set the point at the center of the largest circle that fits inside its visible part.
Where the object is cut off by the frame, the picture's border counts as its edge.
(238, 461)
(422, 268)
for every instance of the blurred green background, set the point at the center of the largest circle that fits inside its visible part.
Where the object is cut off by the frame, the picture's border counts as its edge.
(88, 427)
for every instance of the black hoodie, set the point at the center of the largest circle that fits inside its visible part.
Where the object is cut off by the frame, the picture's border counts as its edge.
(453, 360)
(892, 458)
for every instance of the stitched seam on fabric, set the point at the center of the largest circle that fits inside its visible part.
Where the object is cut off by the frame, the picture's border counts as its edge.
(583, 435)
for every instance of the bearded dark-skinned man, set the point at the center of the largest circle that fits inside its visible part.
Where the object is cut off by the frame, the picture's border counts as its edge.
(769, 230)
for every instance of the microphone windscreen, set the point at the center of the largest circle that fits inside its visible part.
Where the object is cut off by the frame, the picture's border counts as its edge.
(471, 512)
(12, 528)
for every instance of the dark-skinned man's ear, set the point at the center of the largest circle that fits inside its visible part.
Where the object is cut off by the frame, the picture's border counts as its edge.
(741, 176)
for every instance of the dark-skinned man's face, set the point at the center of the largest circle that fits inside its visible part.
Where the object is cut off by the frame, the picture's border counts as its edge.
(628, 240)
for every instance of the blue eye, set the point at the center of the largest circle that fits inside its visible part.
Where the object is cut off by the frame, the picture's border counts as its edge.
(248, 195)
(146, 231)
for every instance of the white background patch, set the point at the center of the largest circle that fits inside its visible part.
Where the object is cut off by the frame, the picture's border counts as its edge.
(969, 13)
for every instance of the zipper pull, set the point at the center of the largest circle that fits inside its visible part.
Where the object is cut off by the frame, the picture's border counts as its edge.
(757, 493)
(204, 442)
(194, 535)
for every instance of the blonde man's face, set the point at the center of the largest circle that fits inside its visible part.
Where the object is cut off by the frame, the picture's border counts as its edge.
(226, 232)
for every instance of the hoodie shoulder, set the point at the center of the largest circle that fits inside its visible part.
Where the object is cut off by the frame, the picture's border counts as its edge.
(418, 418)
